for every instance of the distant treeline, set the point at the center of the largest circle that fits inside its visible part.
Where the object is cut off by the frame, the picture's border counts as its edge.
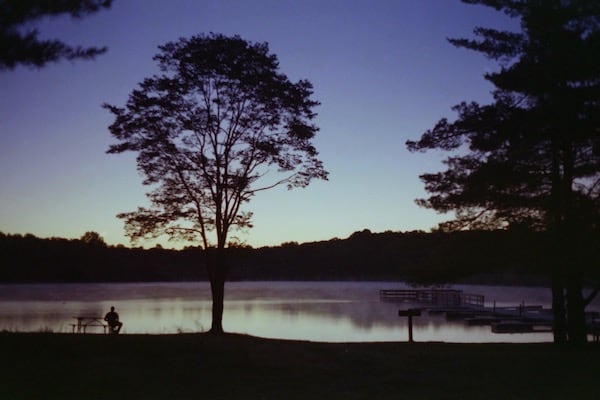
(496, 256)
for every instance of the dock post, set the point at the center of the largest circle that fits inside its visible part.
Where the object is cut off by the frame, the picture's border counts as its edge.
(521, 308)
(411, 312)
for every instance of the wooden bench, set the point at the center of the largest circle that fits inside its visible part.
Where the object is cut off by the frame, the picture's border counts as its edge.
(84, 322)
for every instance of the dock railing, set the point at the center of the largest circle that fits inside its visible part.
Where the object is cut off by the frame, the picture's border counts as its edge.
(437, 297)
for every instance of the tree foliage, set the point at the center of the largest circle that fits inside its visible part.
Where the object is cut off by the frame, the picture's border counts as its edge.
(20, 45)
(532, 157)
(92, 238)
(493, 257)
(539, 136)
(208, 130)
(534, 153)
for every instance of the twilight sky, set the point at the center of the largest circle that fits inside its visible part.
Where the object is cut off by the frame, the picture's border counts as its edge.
(382, 70)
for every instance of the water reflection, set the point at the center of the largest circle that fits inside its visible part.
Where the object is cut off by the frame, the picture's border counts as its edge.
(319, 311)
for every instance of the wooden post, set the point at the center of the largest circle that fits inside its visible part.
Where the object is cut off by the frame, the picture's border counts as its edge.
(411, 312)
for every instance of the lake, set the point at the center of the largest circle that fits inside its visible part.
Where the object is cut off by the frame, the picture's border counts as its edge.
(316, 311)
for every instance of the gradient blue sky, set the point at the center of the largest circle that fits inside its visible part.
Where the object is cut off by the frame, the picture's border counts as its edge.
(383, 71)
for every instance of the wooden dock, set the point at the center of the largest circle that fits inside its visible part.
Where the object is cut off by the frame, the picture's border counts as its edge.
(434, 297)
(518, 319)
(470, 308)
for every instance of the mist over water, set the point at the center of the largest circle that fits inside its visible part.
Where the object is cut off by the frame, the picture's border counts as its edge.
(316, 311)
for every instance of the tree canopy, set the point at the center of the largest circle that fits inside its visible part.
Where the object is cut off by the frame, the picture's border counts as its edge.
(208, 131)
(92, 238)
(539, 137)
(20, 45)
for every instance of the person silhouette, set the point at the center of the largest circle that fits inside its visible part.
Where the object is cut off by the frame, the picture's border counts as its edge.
(114, 325)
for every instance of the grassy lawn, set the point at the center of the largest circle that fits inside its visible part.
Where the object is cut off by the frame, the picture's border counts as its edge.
(201, 366)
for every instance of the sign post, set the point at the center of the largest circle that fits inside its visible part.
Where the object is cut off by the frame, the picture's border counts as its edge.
(411, 312)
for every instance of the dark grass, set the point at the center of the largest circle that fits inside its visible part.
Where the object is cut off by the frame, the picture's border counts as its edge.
(202, 366)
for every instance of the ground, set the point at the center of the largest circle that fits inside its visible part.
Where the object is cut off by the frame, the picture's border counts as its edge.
(203, 366)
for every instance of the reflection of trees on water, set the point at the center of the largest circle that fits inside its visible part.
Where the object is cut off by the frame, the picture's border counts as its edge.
(362, 315)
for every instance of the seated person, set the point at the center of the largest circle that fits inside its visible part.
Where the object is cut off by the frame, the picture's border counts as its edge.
(114, 325)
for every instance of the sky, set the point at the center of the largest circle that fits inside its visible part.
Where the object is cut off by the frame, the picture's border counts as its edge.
(383, 71)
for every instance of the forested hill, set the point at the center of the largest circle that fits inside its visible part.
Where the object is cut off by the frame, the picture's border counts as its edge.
(416, 256)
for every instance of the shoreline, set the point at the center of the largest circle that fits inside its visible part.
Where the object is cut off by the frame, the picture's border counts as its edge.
(466, 282)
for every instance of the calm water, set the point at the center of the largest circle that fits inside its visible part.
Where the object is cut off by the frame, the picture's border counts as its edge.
(317, 311)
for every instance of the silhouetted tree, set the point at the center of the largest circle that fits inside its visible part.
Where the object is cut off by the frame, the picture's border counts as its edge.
(21, 46)
(206, 130)
(93, 239)
(532, 157)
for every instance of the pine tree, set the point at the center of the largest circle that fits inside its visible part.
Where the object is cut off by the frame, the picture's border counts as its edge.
(20, 45)
(532, 157)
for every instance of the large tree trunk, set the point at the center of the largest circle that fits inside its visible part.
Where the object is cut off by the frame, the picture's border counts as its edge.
(575, 312)
(217, 287)
(217, 274)
(558, 311)
(576, 329)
